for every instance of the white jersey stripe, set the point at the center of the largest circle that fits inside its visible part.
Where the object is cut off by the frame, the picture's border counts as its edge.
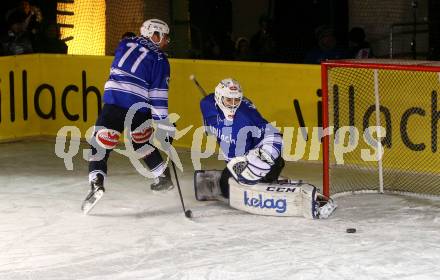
(129, 92)
(158, 94)
(140, 88)
(120, 72)
(127, 87)
(160, 112)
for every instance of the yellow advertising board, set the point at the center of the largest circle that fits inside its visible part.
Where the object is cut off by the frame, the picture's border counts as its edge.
(409, 115)
(42, 93)
(16, 119)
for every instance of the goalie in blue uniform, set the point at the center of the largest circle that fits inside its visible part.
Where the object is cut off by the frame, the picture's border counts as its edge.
(242, 132)
(252, 149)
(139, 74)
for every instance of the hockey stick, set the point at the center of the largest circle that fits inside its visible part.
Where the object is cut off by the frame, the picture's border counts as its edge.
(192, 77)
(188, 213)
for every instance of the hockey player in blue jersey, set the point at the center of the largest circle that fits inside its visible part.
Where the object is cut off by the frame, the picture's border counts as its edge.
(242, 131)
(252, 149)
(140, 72)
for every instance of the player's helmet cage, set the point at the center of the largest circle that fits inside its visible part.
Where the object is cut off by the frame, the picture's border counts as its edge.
(151, 26)
(228, 96)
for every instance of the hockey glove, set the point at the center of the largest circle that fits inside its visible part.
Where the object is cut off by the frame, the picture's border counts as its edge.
(166, 131)
(250, 169)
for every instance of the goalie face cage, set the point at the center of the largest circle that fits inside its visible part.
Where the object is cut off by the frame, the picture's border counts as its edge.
(394, 101)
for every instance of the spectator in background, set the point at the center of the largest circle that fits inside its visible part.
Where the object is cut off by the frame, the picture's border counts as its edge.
(17, 40)
(359, 47)
(218, 47)
(30, 18)
(262, 43)
(227, 46)
(49, 41)
(29, 15)
(211, 48)
(327, 47)
(242, 50)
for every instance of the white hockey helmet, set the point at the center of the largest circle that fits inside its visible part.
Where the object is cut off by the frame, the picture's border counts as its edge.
(151, 26)
(228, 96)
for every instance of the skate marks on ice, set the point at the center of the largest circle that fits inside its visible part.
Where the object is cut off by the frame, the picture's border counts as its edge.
(134, 234)
(396, 238)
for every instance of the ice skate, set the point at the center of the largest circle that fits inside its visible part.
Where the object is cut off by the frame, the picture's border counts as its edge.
(95, 194)
(163, 182)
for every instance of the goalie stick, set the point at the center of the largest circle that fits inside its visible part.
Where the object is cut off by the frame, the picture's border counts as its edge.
(192, 77)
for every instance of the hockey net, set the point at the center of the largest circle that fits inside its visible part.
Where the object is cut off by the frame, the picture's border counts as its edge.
(394, 101)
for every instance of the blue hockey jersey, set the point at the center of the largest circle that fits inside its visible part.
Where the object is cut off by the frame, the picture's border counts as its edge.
(140, 72)
(247, 131)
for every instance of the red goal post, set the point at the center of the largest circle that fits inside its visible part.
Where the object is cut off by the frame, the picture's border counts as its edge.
(395, 101)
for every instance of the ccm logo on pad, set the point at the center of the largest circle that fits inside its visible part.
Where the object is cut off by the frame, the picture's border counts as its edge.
(281, 189)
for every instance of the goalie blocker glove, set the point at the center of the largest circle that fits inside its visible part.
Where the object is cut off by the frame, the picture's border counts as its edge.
(250, 169)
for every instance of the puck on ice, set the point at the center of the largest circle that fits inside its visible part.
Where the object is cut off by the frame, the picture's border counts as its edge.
(350, 230)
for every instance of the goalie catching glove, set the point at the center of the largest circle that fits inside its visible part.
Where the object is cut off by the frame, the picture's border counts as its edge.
(251, 168)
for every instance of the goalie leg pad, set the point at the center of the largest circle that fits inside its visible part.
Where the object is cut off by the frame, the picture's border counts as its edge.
(327, 206)
(292, 198)
(316, 205)
(266, 199)
(310, 204)
(207, 184)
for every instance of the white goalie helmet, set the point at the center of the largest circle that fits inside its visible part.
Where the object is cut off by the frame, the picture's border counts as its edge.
(228, 97)
(151, 26)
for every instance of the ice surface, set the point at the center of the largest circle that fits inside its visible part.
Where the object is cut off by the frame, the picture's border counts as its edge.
(135, 234)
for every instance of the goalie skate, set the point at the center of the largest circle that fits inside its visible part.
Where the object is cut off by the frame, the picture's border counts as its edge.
(95, 194)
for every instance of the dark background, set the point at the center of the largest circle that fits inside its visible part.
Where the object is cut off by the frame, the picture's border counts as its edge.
(292, 22)
(48, 8)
